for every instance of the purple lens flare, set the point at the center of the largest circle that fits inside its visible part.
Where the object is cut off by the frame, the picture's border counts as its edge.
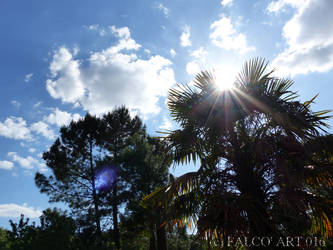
(106, 177)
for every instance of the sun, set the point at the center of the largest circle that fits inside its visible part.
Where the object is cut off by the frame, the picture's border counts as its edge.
(225, 78)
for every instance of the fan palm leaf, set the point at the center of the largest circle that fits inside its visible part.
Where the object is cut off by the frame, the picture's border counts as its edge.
(255, 143)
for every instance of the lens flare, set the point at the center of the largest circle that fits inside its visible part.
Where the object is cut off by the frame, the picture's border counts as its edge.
(105, 178)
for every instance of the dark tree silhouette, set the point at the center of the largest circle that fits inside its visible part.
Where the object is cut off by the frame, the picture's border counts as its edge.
(72, 159)
(144, 167)
(56, 231)
(118, 126)
(258, 175)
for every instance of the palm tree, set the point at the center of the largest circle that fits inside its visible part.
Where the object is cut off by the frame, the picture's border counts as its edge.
(259, 174)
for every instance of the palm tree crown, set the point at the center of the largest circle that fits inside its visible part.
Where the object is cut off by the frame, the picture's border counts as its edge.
(263, 170)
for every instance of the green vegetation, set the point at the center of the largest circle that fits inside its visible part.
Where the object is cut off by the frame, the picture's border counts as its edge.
(266, 170)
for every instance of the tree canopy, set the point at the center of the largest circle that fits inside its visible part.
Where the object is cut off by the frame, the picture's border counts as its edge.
(91, 146)
(262, 171)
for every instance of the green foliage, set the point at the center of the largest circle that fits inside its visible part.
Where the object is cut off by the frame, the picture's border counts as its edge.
(83, 147)
(56, 231)
(118, 127)
(178, 239)
(72, 159)
(144, 167)
(4, 239)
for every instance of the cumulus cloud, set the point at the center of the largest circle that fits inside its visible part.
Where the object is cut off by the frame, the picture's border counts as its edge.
(27, 163)
(200, 54)
(111, 77)
(280, 5)
(199, 58)
(226, 2)
(125, 41)
(7, 165)
(32, 150)
(185, 37)
(15, 211)
(173, 52)
(309, 36)
(166, 124)
(66, 83)
(164, 9)
(95, 27)
(61, 118)
(15, 128)
(192, 68)
(15, 103)
(225, 36)
(28, 77)
(36, 105)
(43, 129)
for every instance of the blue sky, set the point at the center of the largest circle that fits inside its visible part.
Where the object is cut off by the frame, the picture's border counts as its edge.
(61, 59)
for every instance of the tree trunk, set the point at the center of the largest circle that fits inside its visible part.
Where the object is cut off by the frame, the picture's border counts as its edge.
(115, 218)
(115, 204)
(97, 217)
(161, 238)
(152, 241)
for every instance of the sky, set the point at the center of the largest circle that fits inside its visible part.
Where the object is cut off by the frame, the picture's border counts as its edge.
(62, 59)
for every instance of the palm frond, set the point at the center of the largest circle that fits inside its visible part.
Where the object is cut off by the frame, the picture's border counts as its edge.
(253, 74)
(279, 88)
(179, 186)
(204, 81)
(180, 102)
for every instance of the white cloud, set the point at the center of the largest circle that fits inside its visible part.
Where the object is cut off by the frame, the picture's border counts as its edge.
(32, 150)
(192, 68)
(167, 125)
(43, 129)
(185, 37)
(15, 103)
(95, 27)
(122, 32)
(200, 54)
(280, 5)
(195, 66)
(112, 78)
(28, 77)
(61, 118)
(173, 53)
(27, 163)
(224, 35)
(42, 168)
(15, 128)
(66, 82)
(37, 104)
(125, 41)
(15, 211)
(7, 165)
(164, 9)
(226, 2)
(309, 36)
